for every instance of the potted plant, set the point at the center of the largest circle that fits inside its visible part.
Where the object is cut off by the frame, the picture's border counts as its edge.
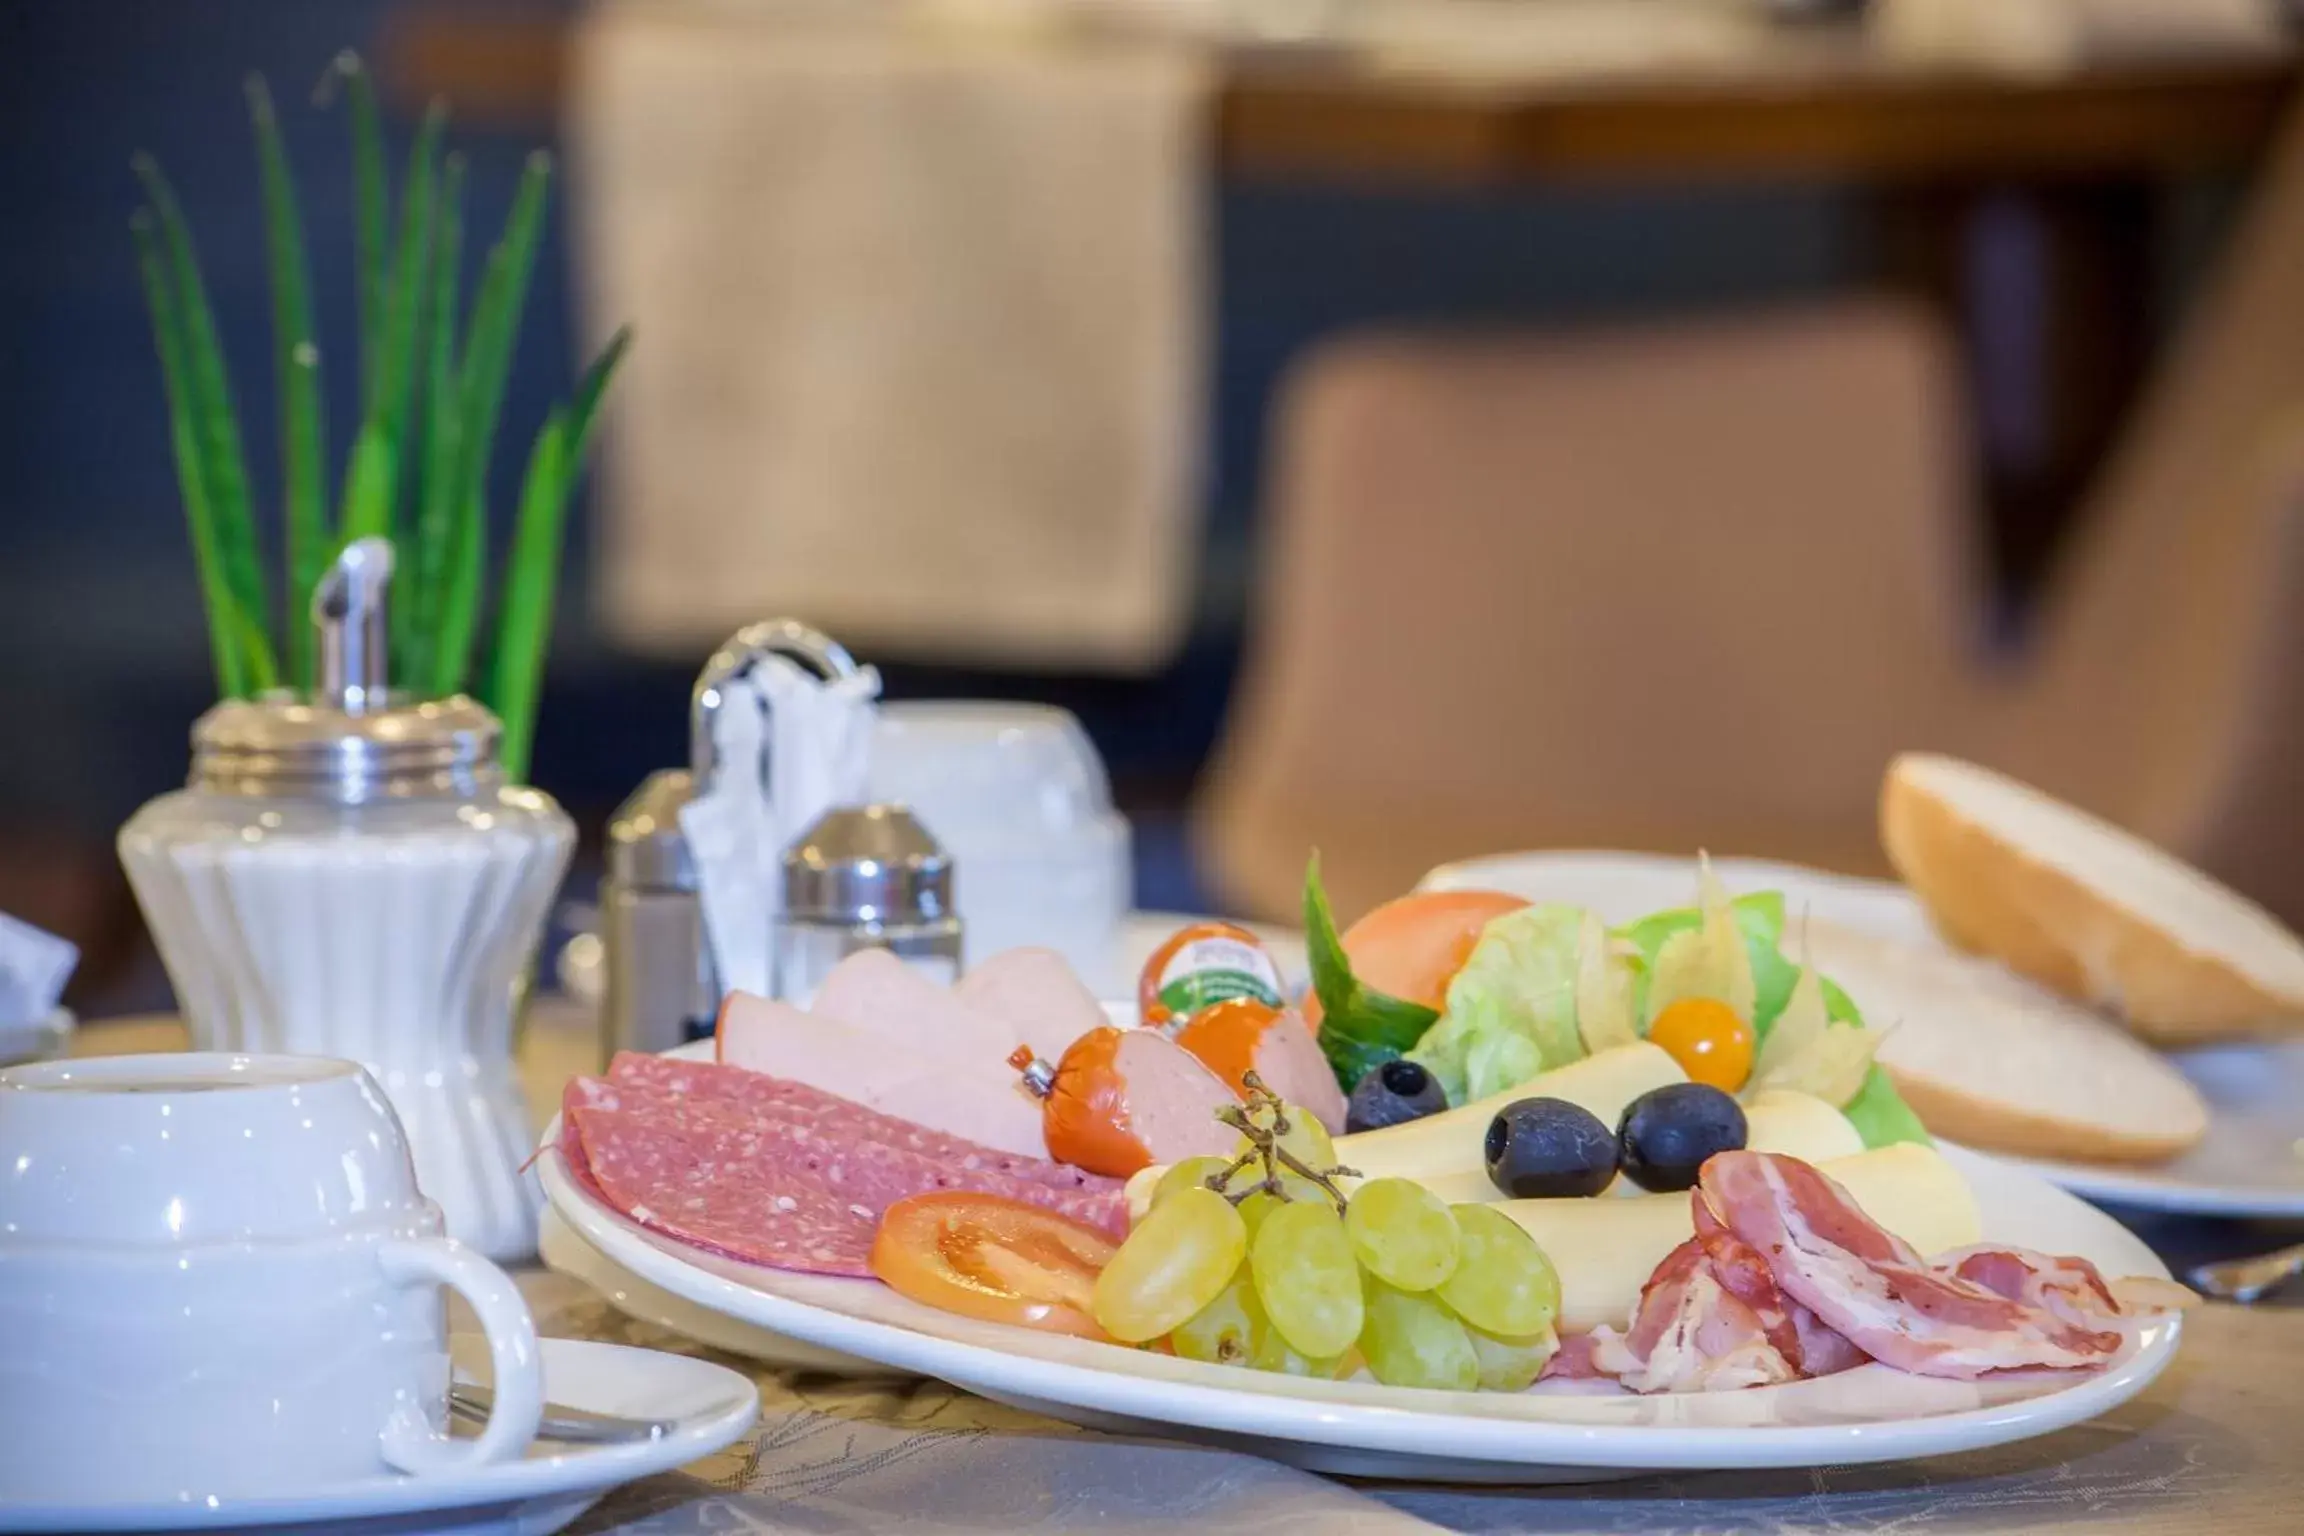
(432, 375)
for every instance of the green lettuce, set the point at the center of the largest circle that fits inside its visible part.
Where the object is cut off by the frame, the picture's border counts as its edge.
(1878, 1111)
(1511, 1011)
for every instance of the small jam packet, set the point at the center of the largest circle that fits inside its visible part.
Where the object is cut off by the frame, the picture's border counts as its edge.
(34, 966)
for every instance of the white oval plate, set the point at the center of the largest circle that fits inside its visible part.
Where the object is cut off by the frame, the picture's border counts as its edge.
(1364, 1429)
(2251, 1162)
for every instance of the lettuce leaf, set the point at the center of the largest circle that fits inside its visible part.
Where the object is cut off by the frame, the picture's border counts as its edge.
(1880, 1114)
(1511, 1011)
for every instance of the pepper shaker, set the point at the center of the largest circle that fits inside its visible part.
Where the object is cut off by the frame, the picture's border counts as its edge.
(864, 877)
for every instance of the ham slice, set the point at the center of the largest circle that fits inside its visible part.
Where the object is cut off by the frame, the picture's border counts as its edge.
(1036, 995)
(973, 1097)
(1870, 1287)
(881, 995)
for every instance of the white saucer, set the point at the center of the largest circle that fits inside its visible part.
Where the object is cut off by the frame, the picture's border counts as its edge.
(2251, 1162)
(711, 1405)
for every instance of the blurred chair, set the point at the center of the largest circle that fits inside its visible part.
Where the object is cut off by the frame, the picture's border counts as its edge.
(1693, 586)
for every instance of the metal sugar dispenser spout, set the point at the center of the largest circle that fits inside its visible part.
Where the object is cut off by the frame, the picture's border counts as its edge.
(662, 987)
(351, 742)
(865, 877)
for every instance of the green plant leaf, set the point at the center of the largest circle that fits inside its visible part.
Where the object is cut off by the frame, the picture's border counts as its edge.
(459, 610)
(296, 366)
(371, 212)
(224, 638)
(437, 534)
(485, 359)
(531, 574)
(524, 615)
(223, 465)
(368, 487)
(1360, 1027)
(404, 314)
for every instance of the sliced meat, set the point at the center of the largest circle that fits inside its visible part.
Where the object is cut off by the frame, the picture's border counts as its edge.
(1122, 1100)
(766, 1093)
(1810, 1345)
(2072, 1288)
(976, 1098)
(1872, 1288)
(1037, 995)
(712, 1186)
(866, 1173)
(881, 995)
(1242, 1035)
(1690, 1333)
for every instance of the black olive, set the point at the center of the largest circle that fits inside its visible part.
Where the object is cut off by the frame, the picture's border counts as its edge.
(1549, 1149)
(1668, 1132)
(1392, 1094)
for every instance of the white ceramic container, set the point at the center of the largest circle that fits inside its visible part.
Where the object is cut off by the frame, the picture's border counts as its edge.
(218, 1277)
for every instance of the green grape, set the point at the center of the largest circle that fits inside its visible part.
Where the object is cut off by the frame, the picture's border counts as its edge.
(1271, 1353)
(1184, 1251)
(1503, 1283)
(1306, 1277)
(1402, 1234)
(1410, 1340)
(1307, 1141)
(1229, 1330)
(1193, 1171)
(1511, 1365)
(1256, 1207)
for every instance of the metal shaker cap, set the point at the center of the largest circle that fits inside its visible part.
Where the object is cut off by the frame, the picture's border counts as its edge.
(646, 849)
(352, 740)
(867, 864)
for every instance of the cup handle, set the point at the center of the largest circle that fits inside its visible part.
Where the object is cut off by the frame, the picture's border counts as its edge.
(411, 1444)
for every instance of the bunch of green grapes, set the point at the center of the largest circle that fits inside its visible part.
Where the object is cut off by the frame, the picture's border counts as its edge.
(1424, 1294)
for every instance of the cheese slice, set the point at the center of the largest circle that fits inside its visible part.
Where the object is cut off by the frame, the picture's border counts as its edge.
(1450, 1142)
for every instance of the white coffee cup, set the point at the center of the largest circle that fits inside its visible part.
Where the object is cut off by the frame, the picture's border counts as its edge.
(217, 1277)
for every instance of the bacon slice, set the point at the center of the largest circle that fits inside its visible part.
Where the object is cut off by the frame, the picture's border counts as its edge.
(2072, 1288)
(1870, 1287)
(1692, 1333)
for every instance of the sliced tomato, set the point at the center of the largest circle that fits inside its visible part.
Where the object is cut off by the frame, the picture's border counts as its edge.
(987, 1257)
(1412, 946)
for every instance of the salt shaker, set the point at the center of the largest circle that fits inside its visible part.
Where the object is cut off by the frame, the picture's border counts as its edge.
(349, 875)
(864, 877)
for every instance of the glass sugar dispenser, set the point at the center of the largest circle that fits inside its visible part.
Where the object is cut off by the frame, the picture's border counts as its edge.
(348, 875)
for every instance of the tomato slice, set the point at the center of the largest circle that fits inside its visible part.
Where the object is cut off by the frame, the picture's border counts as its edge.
(987, 1257)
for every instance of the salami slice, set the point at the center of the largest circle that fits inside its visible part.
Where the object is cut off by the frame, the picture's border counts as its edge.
(843, 1119)
(710, 1185)
(866, 1173)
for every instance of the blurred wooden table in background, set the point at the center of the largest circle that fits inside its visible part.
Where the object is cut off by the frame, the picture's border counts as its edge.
(2077, 153)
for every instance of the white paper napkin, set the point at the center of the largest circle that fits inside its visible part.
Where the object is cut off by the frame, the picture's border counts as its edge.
(33, 969)
(790, 746)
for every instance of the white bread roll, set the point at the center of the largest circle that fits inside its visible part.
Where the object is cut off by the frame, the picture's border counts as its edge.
(2087, 909)
(1986, 1058)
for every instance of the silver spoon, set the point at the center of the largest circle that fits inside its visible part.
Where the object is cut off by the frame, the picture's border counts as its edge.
(570, 1426)
(2245, 1280)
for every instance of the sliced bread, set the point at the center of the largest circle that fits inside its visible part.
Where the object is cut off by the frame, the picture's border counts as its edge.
(1987, 1059)
(2087, 909)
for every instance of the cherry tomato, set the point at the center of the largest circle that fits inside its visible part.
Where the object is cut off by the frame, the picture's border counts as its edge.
(1709, 1041)
(1000, 1260)
(1412, 946)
